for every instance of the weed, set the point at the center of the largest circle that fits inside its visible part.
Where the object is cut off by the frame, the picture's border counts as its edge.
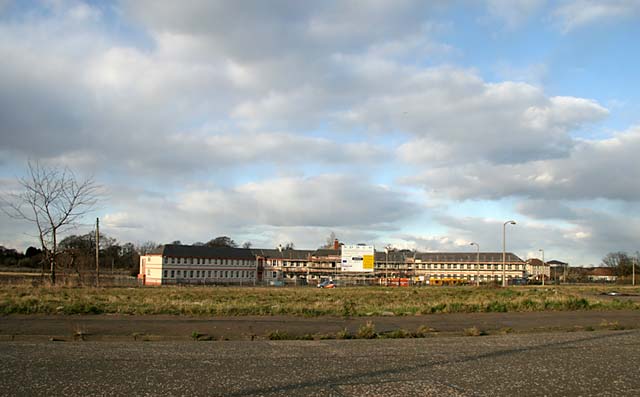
(278, 335)
(612, 325)
(80, 333)
(344, 334)
(348, 308)
(496, 306)
(474, 331)
(397, 334)
(423, 331)
(366, 331)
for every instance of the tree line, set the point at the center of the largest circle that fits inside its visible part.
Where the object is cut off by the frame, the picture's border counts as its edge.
(622, 262)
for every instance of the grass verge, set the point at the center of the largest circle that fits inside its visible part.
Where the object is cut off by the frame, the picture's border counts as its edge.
(304, 302)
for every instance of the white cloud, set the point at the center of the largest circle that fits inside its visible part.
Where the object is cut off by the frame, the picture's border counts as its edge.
(513, 12)
(585, 174)
(574, 14)
(319, 204)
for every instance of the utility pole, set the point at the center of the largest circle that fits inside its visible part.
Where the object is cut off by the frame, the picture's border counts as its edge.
(97, 252)
(543, 266)
(633, 271)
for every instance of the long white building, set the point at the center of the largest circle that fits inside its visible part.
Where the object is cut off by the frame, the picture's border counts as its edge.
(186, 264)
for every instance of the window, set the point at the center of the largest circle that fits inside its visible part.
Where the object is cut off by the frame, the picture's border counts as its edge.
(197, 273)
(173, 260)
(215, 273)
(191, 261)
(173, 274)
(164, 274)
(237, 273)
(191, 273)
(275, 274)
(209, 273)
(178, 273)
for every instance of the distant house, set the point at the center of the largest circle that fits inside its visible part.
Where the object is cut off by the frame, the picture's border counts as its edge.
(536, 270)
(602, 274)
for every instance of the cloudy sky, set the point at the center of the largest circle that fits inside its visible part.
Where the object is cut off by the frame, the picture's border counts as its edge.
(419, 124)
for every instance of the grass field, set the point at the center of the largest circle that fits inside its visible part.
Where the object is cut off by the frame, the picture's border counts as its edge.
(310, 302)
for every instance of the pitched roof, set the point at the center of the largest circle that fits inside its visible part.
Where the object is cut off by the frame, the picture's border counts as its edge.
(196, 251)
(556, 263)
(326, 252)
(493, 257)
(284, 254)
(602, 271)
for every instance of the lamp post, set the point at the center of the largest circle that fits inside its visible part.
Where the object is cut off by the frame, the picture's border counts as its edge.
(477, 263)
(504, 251)
(543, 266)
(386, 266)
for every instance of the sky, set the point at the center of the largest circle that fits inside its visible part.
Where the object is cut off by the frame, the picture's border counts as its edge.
(417, 124)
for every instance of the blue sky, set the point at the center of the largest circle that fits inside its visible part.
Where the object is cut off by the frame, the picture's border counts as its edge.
(424, 125)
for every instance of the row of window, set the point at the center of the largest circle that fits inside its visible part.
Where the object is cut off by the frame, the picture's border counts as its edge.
(467, 266)
(463, 266)
(469, 276)
(208, 261)
(208, 274)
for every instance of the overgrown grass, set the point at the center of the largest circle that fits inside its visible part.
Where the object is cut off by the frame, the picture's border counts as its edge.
(304, 302)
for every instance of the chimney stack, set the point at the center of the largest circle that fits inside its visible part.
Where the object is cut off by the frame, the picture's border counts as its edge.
(336, 244)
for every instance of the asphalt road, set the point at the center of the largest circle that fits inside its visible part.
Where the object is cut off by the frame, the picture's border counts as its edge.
(126, 328)
(602, 363)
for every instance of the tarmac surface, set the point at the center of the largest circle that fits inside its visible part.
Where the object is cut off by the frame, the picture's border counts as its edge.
(597, 363)
(176, 328)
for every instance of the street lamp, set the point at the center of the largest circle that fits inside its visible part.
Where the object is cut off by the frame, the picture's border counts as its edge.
(504, 249)
(543, 267)
(386, 266)
(477, 263)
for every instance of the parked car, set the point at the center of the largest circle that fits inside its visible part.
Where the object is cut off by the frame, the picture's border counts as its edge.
(327, 284)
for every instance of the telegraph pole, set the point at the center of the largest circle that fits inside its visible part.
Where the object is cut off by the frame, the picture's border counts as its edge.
(97, 252)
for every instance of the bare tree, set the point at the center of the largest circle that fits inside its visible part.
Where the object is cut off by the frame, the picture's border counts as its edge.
(53, 199)
(330, 241)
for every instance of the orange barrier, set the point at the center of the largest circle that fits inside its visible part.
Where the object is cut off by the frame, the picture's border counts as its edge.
(397, 282)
